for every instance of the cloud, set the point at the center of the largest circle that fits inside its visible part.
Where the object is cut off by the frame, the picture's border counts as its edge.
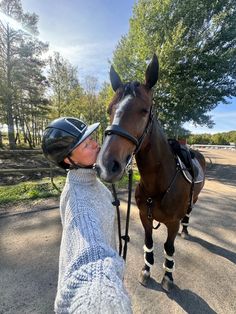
(90, 58)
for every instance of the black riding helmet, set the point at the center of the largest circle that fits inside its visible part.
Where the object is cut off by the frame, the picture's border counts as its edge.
(62, 136)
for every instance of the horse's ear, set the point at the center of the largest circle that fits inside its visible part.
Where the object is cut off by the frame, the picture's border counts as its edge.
(115, 79)
(151, 74)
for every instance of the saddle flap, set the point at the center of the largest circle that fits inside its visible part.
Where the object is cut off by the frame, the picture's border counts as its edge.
(199, 173)
(189, 165)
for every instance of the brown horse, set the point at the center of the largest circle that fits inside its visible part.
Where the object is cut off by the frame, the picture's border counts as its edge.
(163, 193)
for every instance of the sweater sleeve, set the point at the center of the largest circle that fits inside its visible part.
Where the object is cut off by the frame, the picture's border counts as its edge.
(90, 271)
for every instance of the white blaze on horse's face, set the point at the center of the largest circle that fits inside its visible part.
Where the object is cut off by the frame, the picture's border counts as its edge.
(120, 110)
(116, 150)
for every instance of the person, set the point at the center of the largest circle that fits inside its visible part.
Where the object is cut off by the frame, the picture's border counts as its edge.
(90, 269)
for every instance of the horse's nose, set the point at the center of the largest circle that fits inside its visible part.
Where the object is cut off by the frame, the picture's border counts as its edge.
(114, 167)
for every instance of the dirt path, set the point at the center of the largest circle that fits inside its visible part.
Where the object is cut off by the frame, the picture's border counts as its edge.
(205, 273)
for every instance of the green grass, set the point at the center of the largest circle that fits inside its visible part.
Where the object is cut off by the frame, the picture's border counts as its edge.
(30, 190)
(123, 183)
(41, 189)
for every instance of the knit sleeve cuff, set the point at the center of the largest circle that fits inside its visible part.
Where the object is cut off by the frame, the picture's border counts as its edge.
(94, 288)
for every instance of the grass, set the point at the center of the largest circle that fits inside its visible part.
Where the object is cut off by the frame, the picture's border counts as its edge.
(41, 189)
(30, 190)
(123, 183)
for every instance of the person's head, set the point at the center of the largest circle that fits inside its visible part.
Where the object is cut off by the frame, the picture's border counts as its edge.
(67, 142)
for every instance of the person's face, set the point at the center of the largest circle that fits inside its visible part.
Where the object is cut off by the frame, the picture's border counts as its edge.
(85, 154)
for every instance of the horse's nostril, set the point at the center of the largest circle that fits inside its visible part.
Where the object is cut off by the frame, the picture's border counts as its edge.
(115, 166)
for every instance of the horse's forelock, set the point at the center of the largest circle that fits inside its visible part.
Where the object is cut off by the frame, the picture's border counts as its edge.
(130, 88)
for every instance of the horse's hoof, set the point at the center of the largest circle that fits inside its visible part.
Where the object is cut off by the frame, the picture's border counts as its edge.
(184, 235)
(167, 284)
(144, 277)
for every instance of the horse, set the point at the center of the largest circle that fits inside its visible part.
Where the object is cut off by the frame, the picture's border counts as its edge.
(163, 194)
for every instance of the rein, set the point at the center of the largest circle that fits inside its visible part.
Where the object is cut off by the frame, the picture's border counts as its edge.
(117, 130)
(116, 203)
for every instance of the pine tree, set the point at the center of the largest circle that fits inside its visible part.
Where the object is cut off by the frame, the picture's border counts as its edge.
(20, 64)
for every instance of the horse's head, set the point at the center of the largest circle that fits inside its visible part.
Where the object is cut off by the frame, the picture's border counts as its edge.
(130, 115)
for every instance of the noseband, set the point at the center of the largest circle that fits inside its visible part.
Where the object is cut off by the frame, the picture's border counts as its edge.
(117, 130)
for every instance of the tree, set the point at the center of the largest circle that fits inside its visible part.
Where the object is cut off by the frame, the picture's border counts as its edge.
(196, 45)
(20, 63)
(62, 78)
(104, 98)
(92, 105)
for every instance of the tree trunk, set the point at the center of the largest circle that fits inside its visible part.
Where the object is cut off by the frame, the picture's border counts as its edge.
(10, 121)
(17, 138)
(1, 143)
(10, 125)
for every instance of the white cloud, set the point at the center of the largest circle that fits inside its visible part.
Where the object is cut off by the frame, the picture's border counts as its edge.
(90, 58)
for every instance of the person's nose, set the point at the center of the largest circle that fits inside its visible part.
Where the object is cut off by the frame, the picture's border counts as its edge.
(93, 143)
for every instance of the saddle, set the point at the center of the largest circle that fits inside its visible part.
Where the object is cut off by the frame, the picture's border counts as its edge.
(188, 163)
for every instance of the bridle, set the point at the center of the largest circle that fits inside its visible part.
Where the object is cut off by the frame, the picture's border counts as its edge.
(117, 130)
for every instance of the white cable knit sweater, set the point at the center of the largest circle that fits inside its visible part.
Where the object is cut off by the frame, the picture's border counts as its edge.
(90, 269)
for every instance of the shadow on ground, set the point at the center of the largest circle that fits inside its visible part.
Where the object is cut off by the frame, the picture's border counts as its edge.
(190, 302)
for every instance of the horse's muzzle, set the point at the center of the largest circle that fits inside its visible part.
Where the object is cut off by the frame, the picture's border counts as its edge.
(109, 170)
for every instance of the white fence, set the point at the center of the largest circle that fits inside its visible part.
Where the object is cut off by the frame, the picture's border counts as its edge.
(211, 146)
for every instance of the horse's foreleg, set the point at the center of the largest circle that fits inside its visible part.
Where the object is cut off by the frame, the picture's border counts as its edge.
(169, 249)
(148, 250)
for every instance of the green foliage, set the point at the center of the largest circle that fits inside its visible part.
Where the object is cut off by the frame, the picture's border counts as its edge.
(69, 98)
(224, 138)
(63, 81)
(196, 45)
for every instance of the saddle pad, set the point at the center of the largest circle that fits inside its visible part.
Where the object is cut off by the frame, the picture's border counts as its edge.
(187, 175)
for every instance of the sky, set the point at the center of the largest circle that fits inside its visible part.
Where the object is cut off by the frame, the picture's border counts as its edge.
(86, 32)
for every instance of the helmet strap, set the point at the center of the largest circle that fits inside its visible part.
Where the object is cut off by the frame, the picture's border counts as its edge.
(76, 166)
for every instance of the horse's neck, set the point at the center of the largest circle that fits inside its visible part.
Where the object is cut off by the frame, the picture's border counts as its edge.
(155, 162)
